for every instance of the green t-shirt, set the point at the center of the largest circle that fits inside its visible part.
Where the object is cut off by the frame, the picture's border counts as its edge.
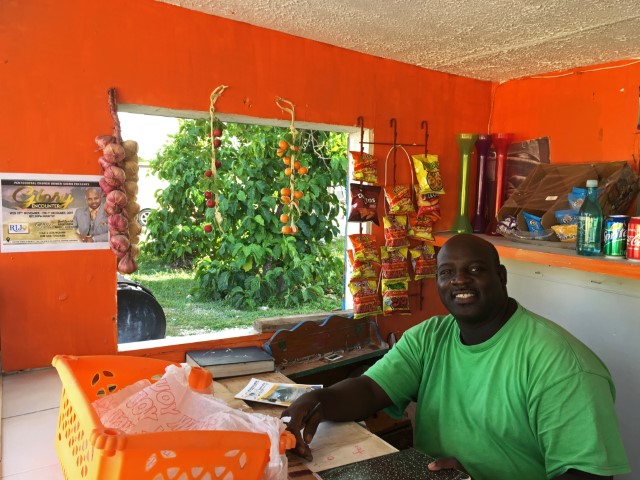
(529, 403)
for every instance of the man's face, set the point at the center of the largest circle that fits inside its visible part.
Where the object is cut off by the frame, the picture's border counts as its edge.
(93, 199)
(471, 283)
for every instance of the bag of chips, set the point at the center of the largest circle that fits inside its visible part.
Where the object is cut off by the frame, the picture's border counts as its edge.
(428, 204)
(365, 248)
(423, 259)
(364, 203)
(399, 199)
(363, 269)
(394, 262)
(395, 231)
(365, 297)
(421, 229)
(427, 171)
(395, 296)
(364, 167)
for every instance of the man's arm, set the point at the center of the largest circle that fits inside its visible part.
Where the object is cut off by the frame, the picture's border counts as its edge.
(580, 475)
(348, 400)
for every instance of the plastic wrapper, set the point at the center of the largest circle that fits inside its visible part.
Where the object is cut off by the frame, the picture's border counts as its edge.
(363, 269)
(171, 404)
(365, 248)
(364, 203)
(423, 260)
(428, 204)
(427, 170)
(364, 167)
(421, 229)
(394, 262)
(395, 295)
(396, 231)
(366, 300)
(566, 233)
(399, 199)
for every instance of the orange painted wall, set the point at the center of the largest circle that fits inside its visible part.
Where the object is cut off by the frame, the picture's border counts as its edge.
(59, 57)
(589, 113)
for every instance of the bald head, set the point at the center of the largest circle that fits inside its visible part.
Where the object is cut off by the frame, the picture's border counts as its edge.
(465, 241)
(471, 282)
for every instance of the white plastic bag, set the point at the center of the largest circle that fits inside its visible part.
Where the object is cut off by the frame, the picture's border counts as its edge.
(170, 405)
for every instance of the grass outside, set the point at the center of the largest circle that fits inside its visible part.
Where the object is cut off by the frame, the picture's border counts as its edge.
(187, 315)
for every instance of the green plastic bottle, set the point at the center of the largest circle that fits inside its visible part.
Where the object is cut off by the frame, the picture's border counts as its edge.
(589, 241)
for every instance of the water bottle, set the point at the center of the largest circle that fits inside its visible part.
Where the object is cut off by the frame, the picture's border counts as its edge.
(589, 240)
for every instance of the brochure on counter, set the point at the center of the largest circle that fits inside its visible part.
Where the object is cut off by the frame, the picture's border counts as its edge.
(274, 393)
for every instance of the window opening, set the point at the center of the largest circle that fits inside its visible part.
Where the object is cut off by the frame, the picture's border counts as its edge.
(186, 314)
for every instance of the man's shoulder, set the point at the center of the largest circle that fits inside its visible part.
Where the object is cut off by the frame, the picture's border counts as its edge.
(546, 339)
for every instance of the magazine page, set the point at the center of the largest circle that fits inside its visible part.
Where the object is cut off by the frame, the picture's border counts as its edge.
(274, 393)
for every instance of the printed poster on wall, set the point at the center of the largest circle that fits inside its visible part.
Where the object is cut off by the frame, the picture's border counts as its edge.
(43, 213)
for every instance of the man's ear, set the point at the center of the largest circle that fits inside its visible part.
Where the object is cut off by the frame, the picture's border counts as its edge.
(502, 272)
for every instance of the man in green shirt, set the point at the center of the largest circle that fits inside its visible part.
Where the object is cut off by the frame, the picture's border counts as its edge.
(500, 391)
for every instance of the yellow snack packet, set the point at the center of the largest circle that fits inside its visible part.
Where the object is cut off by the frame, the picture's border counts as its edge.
(427, 170)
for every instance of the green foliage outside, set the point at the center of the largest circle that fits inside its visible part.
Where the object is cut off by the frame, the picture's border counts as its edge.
(250, 262)
(187, 314)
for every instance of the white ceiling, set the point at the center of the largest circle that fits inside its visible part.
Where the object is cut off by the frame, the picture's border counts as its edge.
(489, 40)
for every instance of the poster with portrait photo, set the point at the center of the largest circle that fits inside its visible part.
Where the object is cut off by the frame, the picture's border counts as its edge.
(42, 213)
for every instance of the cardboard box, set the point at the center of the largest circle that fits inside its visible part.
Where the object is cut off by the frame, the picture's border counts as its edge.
(546, 188)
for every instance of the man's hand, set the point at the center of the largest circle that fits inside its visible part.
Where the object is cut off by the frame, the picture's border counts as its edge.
(305, 414)
(444, 463)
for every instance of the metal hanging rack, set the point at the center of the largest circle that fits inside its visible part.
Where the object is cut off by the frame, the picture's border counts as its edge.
(424, 125)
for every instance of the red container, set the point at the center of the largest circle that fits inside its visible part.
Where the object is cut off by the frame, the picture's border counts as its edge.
(633, 239)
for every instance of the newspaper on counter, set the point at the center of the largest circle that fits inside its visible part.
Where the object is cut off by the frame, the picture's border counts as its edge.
(274, 393)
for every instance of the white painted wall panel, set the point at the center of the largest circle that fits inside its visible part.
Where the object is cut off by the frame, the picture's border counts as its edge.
(604, 313)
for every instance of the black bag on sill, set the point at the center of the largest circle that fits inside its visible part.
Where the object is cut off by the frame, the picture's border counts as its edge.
(140, 316)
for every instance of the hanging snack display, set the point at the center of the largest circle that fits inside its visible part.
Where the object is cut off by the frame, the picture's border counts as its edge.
(210, 185)
(289, 150)
(364, 203)
(365, 247)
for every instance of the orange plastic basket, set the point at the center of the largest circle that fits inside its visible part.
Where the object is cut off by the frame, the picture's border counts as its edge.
(88, 450)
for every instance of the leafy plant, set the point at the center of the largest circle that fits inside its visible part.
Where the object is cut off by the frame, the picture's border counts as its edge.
(249, 262)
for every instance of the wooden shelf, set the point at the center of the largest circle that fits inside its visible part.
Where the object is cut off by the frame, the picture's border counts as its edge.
(297, 370)
(557, 257)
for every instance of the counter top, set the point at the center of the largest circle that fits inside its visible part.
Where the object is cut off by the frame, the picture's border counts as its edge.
(556, 256)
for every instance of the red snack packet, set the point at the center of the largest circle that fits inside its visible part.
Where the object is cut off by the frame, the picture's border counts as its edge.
(364, 203)
(421, 229)
(399, 199)
(395, 231)
(365, 298)
(428, 204)
(394, 262)
(423, 258)
(395, 296)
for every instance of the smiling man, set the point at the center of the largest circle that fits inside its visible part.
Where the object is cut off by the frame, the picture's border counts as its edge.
(500, 391)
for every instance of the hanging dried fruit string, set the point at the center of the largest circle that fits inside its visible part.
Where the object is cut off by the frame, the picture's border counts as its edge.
(289, 152)
(215, 131)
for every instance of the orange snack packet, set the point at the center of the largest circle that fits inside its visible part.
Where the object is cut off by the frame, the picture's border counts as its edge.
(366, 300)
(364, 167)
(399, 199)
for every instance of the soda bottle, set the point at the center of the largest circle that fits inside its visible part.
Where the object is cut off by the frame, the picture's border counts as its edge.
(589, 241)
